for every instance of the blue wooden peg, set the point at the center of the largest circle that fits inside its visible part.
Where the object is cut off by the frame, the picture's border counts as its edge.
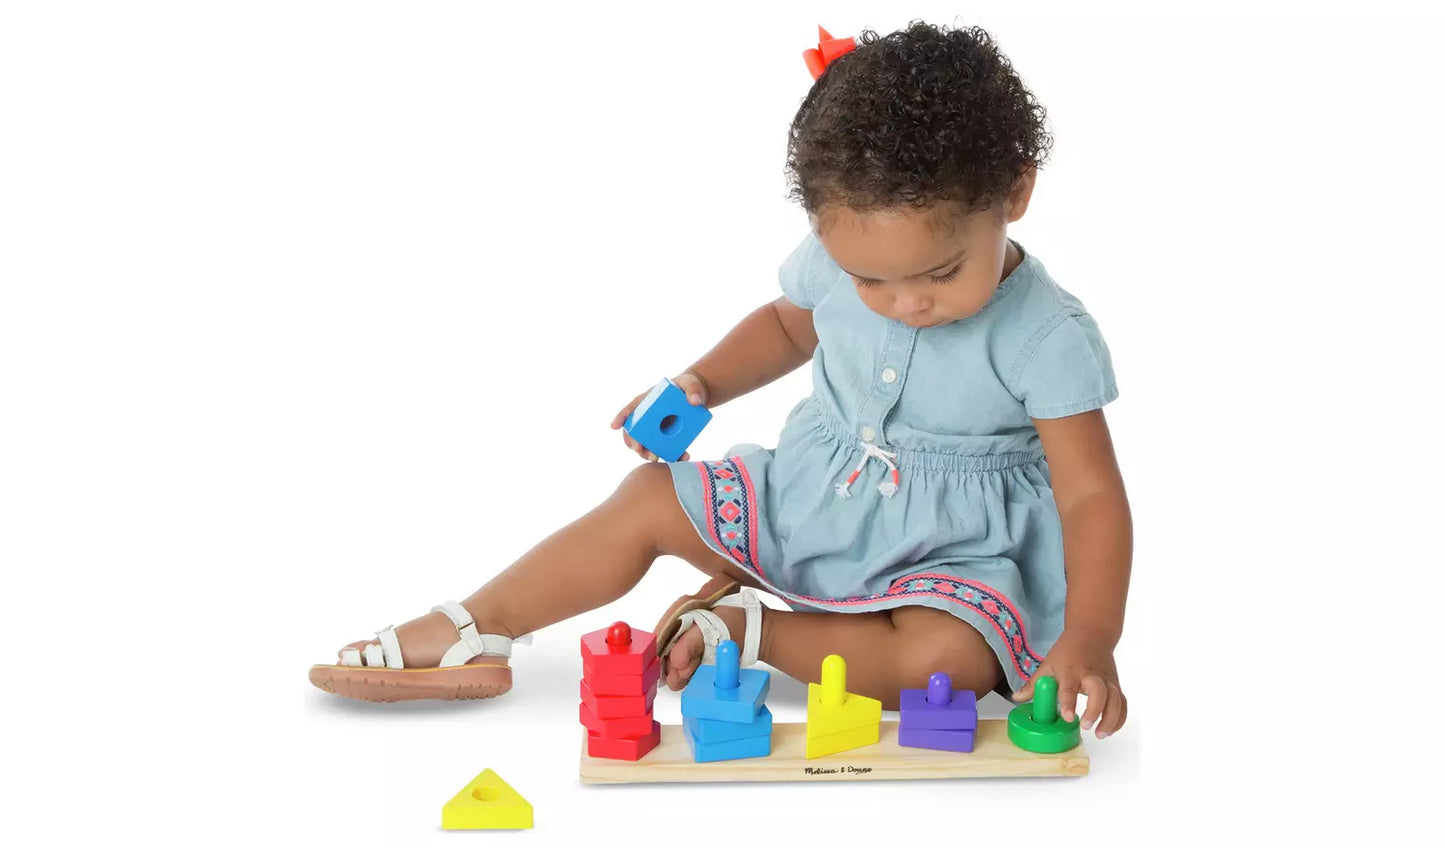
(728, 665)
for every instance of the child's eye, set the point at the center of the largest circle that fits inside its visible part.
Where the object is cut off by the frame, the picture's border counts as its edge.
(950, 276)
(946, 278)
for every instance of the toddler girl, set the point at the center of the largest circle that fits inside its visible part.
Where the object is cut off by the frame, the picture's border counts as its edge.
(950, 473)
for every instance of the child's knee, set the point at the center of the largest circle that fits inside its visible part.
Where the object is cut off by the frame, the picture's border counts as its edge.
(939, 641)
(648, 481)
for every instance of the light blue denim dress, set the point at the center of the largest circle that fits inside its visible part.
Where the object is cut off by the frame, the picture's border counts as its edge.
(951, 507)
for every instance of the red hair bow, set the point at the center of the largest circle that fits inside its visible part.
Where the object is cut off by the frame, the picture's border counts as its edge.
(829, 48)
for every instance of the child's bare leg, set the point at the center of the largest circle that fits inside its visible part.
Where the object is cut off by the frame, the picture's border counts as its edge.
(885, 651)
(591, 562)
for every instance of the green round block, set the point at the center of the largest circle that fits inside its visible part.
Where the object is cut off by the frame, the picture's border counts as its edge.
(1037, 726)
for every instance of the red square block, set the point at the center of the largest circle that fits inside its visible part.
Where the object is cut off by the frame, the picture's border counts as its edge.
(624, 749)
(618, 651)
(632, 684)
(615, 728)
(614, 706)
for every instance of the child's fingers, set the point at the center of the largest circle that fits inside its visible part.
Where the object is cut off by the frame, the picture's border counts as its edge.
(637, 448)
(1027, 693)
(627, 410)
(1098, 694)
(1068, 696)
(1114, 714)
(693, 386)
(677, 678)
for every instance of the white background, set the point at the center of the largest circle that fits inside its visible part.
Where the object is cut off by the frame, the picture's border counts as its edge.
(314, 314)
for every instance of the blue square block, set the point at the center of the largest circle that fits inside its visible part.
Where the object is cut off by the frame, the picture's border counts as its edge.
(665, 423)
(955, 710)
(702, 699)
(737, 749)
(711, 732)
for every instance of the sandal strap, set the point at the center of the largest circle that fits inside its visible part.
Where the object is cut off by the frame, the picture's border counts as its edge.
(753, 630)
(471, 643)
(714, 631)
(390, 648)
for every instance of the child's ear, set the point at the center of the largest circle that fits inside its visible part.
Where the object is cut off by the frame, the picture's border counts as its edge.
(1023, 189)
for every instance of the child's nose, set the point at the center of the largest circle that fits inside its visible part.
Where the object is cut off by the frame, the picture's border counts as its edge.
(909, 303)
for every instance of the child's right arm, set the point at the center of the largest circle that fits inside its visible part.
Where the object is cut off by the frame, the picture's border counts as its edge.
(771, 341)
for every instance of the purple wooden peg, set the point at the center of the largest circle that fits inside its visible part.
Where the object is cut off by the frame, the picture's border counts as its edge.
(939, 707)
(940, 689)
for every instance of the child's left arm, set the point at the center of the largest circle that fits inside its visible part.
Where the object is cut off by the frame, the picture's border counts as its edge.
(1098, 548)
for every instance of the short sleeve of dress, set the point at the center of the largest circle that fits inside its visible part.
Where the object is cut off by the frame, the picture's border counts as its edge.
(800, 274)
(1068, 372)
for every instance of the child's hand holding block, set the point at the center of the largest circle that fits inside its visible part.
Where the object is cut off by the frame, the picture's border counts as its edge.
(665, 423)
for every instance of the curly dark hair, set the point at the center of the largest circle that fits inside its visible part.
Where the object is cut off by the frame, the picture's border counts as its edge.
(916, 118)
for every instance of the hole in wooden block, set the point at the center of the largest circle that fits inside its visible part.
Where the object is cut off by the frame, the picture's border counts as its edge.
(669, 425)
(486, 794)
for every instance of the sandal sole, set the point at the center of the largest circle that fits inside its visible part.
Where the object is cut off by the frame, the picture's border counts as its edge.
(385, 685)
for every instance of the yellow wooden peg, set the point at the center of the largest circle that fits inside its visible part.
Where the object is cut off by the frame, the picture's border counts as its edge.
(836, 716)
(487, 803)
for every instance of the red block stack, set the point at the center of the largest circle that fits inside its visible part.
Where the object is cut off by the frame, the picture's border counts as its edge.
(620, 668)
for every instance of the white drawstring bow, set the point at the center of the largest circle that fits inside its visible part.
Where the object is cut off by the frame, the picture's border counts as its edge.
(872, 451)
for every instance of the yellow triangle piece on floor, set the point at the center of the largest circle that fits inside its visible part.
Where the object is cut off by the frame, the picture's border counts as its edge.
(487, 803)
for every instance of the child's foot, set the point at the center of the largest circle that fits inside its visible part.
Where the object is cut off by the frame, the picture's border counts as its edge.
(411, 669)
(424, 639)
(684, 658)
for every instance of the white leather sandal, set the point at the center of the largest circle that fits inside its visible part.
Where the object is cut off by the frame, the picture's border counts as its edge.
(378, 673)
(715, 632)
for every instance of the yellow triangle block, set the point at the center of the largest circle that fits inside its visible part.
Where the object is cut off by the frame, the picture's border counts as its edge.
(822, 746)
(833, 710)
(487, 803)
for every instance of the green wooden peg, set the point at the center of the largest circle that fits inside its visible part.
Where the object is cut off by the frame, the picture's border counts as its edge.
(1038, 727)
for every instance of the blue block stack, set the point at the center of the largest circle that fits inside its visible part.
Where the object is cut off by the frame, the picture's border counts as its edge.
(723, 715)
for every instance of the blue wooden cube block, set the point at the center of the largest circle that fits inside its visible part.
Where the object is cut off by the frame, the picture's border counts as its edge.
(724, 692)
(711, 732)
(665, 423)
(938, 707)
(737, 749)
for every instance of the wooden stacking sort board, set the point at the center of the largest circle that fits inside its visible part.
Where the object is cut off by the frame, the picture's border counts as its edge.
(993, 756)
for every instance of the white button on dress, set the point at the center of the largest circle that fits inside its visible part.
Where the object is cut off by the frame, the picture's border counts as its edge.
(889, 375)
(868, 434)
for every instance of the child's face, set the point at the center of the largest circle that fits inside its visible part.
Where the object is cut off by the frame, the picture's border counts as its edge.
(909, 265)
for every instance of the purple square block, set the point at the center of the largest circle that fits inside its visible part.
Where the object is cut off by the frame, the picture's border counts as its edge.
(960, 713)
(939, 740)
